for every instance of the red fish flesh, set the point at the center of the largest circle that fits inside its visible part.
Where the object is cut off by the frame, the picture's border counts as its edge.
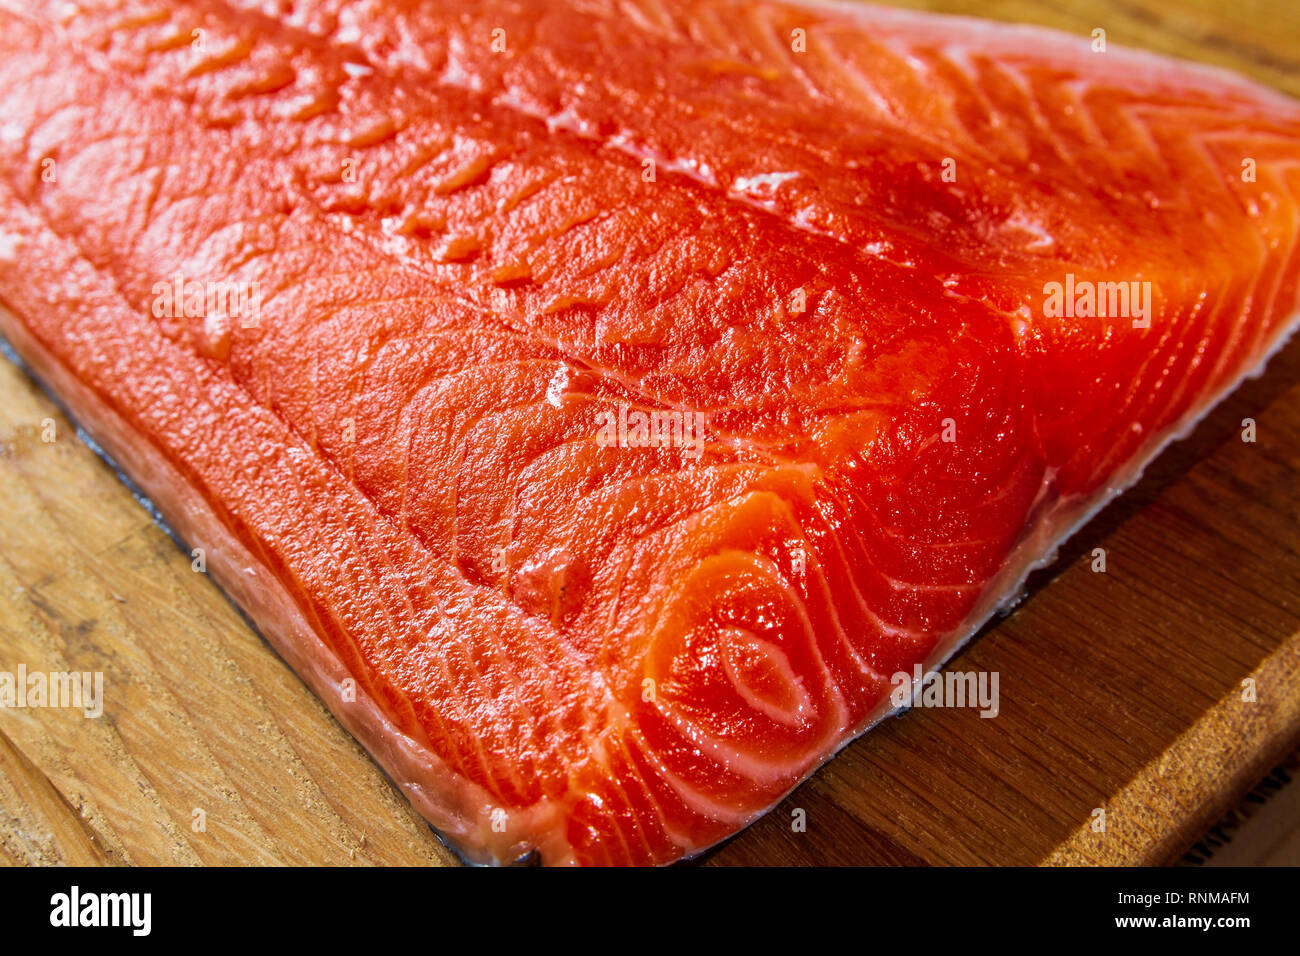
(598, 401)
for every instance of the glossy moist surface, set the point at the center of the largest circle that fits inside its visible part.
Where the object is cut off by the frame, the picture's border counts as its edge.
(470, 243)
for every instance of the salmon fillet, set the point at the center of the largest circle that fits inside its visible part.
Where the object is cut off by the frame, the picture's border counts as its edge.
(596, 402)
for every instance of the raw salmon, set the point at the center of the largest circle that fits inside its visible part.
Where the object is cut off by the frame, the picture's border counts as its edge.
(598, 401)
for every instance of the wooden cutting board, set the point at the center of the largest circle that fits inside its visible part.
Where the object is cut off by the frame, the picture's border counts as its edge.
(1120, 691)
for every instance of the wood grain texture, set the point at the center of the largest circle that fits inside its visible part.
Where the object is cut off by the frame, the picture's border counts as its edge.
(1119, 691)
(1263, 829)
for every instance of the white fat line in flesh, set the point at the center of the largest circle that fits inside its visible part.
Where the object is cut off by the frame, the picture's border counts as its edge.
(567, 121)
(1074, 514)
(748, 766)
(885, 628)
(1093, 139)
(1285, 261)
(699, 172)
(679, 839)
(706, 806)
(1045, 127)
(841, 632)
(637, 14)
(618, 823)
(910, 635)
(1040, 239)
(1141, 130)
(898, 584)
(752, 185)
(695, 800)
(1159, 354)
(834, 60)
(978, 146)
(599, 750)
(780, 662)
(621, 727)
(1275, 175)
